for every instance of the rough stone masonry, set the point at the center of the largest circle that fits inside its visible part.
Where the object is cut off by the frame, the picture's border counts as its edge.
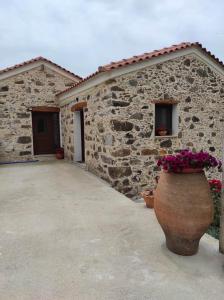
(18, 94)
(119, 120)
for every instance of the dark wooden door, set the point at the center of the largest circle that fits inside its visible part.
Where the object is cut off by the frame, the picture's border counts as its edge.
(45, 132)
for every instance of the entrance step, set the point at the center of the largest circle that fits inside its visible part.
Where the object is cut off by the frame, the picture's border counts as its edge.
(81, 165)
(45, 157)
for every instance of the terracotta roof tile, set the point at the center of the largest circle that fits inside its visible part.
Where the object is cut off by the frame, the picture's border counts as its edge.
(39, 58)
(143, 57)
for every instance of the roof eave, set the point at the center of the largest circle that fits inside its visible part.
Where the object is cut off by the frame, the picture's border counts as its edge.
(33, 63)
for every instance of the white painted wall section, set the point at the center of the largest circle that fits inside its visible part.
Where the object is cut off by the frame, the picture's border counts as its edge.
(175, 119)
(77, 137)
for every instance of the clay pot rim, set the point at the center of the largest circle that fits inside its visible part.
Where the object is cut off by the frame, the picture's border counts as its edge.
(145, 193)
(162, 132)
(186, 171)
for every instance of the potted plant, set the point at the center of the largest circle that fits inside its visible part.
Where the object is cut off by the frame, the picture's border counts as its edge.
(59, 153)
(161, 131)
(183, 203)
(216, 190)
(148, 197)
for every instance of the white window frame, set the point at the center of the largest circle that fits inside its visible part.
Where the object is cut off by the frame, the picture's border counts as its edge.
(175, 120)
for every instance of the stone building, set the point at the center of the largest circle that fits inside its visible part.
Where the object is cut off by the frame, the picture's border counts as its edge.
(121, 106)
(110, 120)
(29, 110)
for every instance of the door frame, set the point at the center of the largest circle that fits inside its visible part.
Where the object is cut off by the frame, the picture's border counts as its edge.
(45, 109)
(82, 120)
(79, 136)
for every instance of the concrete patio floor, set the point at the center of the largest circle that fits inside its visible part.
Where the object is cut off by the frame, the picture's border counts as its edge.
(65, 234)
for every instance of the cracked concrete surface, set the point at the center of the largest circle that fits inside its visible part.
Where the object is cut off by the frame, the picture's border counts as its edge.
(65, 234)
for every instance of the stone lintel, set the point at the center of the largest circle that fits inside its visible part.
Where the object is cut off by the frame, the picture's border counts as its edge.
(168, 101)
(45, 109)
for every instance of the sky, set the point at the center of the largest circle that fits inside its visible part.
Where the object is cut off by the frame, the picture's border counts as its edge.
(81, 35)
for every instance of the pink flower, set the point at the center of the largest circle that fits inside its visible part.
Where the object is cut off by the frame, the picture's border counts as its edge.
(215, 185)
(188, 159)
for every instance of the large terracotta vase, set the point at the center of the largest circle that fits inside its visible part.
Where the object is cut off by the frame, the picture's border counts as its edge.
(184, 209)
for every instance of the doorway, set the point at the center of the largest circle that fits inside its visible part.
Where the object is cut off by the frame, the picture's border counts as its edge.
(46, 135)
(79, 136)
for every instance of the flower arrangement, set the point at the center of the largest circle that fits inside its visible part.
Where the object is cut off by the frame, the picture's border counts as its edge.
(187, 159)
(215, 185)
(216, 188)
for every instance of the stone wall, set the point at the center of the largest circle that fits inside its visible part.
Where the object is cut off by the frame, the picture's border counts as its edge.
(18, 94)
(119, 121)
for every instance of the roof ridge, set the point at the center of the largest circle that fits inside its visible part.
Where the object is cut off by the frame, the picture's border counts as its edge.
(35, 59)
(164, 49)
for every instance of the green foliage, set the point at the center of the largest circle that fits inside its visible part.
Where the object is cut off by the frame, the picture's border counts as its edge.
(214, 227)
(213, 231)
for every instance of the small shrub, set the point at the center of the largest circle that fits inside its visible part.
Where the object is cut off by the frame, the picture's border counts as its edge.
(216, 188)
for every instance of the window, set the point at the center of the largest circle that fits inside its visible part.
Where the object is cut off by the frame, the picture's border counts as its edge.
(165, 119)
(4, 88)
